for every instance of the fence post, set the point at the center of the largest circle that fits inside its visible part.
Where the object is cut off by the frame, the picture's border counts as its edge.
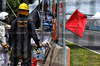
(64, 49)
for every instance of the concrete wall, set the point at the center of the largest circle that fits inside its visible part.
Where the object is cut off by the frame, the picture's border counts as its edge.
(55, 56)
(57, 59)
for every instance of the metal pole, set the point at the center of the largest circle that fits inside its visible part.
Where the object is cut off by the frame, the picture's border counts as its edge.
(49, 4)
(57, 18)
(3, 5)
(58, 25)
(64, 49)
(42, 20)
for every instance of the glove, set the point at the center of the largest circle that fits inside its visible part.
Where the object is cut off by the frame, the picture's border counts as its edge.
(5, 48)
(38, 52)
(40, 45)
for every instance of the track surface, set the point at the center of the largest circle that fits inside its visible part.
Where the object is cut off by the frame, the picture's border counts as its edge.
(90, 39)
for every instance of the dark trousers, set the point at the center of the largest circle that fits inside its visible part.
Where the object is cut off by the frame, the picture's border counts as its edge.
(25, 55)
(25, 61)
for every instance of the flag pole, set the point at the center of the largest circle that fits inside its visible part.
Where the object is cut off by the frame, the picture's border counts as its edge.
(64, 48)
(41, 36)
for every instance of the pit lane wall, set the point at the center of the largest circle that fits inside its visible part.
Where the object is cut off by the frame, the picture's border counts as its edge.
(55, 56)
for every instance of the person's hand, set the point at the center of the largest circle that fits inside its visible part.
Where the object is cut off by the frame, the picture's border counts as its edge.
(6, 49)
(40, 45)
(4, 45)
(11, 48)
(38, 52)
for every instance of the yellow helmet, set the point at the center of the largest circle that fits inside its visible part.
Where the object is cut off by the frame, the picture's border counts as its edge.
(23, 6)
(23, 9)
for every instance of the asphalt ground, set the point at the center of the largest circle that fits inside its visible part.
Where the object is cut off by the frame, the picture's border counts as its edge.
(89, 40)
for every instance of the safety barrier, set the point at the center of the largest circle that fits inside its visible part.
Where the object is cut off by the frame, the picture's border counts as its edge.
(55, 56)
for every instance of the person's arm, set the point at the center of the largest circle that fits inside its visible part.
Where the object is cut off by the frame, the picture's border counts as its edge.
(34, 35)
(2, 38)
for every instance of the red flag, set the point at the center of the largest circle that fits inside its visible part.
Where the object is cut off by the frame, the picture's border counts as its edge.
(76, 23)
